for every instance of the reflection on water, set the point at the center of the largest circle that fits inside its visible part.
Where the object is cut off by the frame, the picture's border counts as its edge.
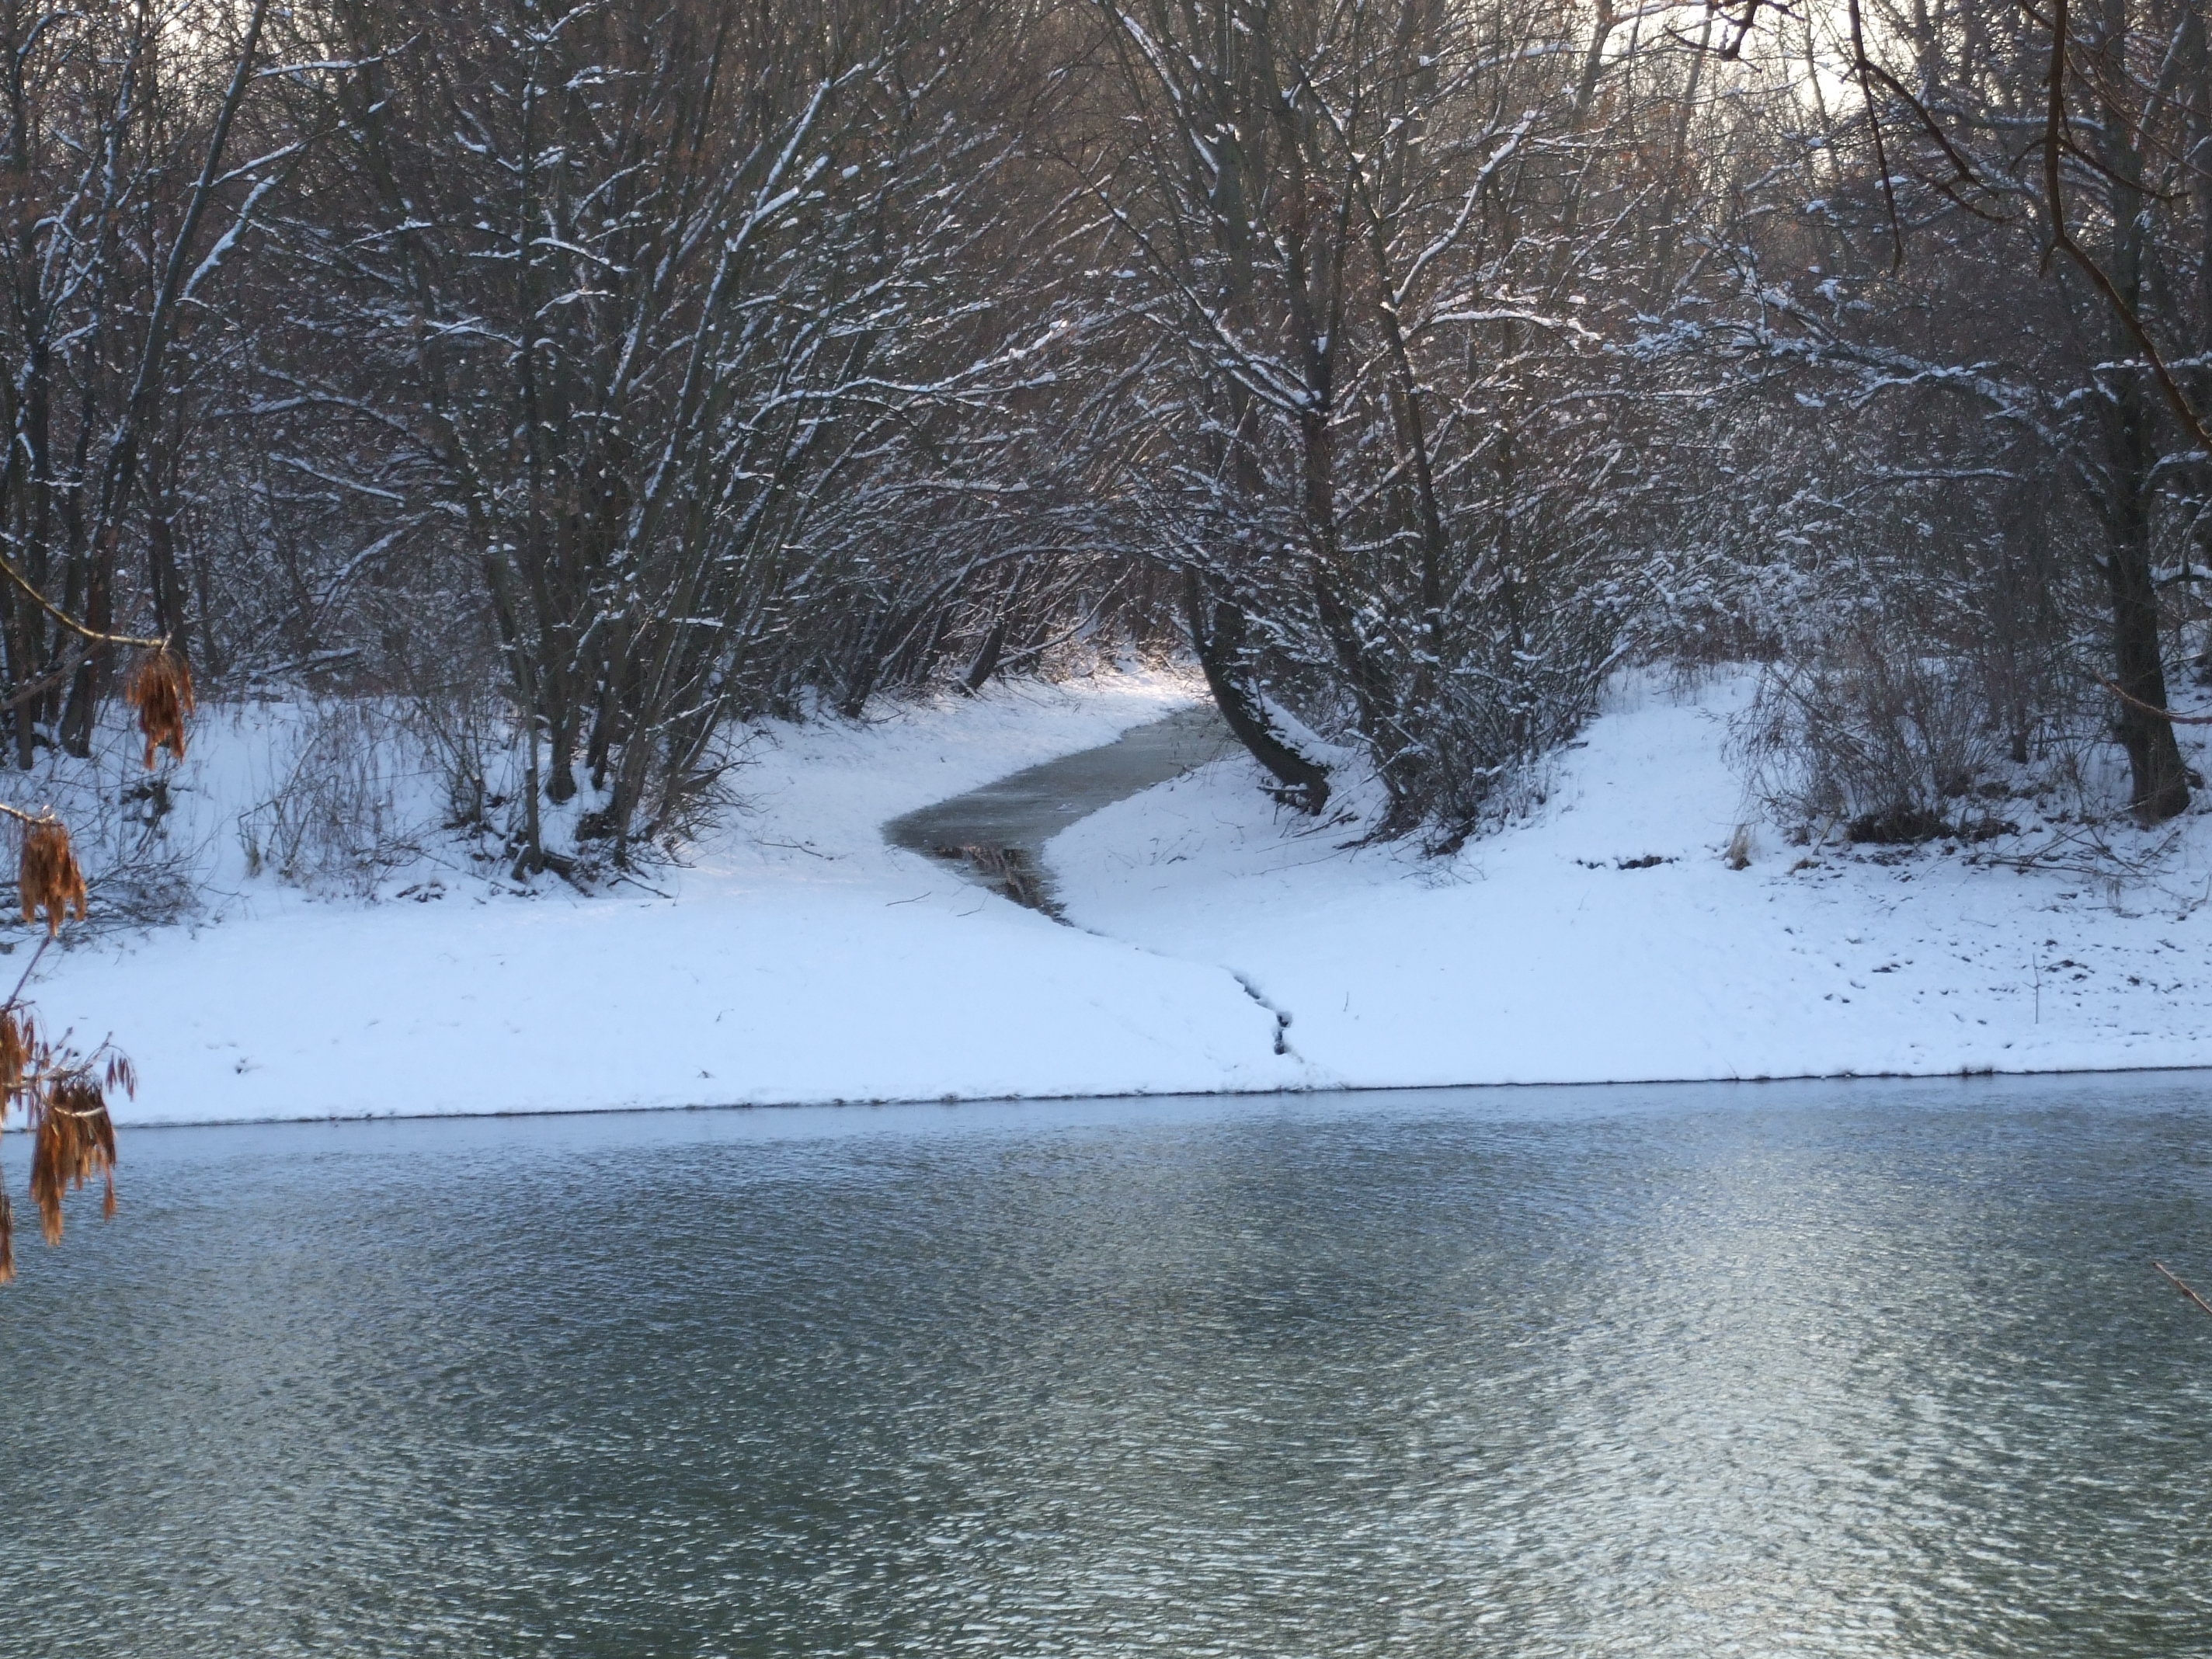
(1815, 1370)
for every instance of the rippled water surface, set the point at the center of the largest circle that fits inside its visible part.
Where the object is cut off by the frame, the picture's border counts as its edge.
(1822, 1370)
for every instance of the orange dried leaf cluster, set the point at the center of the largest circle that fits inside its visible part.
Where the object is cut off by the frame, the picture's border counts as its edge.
(63, 1100)
(75, 1141)
(62, 1094)
(49, 879)
(18, 1042)
(161, 690)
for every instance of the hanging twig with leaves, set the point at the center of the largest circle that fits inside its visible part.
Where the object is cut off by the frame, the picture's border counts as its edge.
(62, 1094)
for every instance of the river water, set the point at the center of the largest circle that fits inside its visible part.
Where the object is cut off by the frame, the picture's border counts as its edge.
(1784, 1370)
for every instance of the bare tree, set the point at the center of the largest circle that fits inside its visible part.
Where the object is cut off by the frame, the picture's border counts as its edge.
(123, 205)
(2029, 200)
(1398, 476)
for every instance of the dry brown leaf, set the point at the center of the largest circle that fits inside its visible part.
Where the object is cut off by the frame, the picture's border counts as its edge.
(161, 689)
(49, 879)
(75, 1141)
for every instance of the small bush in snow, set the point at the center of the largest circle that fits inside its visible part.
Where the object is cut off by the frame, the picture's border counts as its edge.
(1888, 744)
(335, 818)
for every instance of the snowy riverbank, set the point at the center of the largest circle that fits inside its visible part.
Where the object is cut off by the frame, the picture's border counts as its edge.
(799, 958)
(1609, 939)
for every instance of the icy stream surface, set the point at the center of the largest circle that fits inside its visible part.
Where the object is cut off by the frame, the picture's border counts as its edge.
(1020, 812)
(1810, 1368)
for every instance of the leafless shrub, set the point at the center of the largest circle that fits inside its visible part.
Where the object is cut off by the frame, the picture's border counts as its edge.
(336, 819)
(1884, 742)
(467, 734)
(143, 861)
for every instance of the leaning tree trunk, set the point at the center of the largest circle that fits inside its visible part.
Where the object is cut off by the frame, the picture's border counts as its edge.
(1216, 634)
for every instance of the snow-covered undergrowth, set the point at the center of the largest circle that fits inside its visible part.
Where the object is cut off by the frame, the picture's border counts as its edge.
(1607, 936)
(1600, 934)
(278, 803)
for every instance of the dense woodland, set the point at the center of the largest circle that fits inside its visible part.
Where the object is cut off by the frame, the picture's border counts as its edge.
(591, 378)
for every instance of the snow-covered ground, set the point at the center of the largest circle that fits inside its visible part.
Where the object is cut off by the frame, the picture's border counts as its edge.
(795, 957)
(1561, 952)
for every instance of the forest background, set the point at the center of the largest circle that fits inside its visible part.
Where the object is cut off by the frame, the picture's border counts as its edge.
(552, 389)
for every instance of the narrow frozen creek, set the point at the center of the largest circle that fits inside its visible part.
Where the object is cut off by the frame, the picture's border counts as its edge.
(994, 835)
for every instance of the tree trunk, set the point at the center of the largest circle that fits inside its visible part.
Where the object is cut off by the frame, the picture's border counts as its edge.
(87, 687)
(2159, 781)
(987, 659)
(1218, 635)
